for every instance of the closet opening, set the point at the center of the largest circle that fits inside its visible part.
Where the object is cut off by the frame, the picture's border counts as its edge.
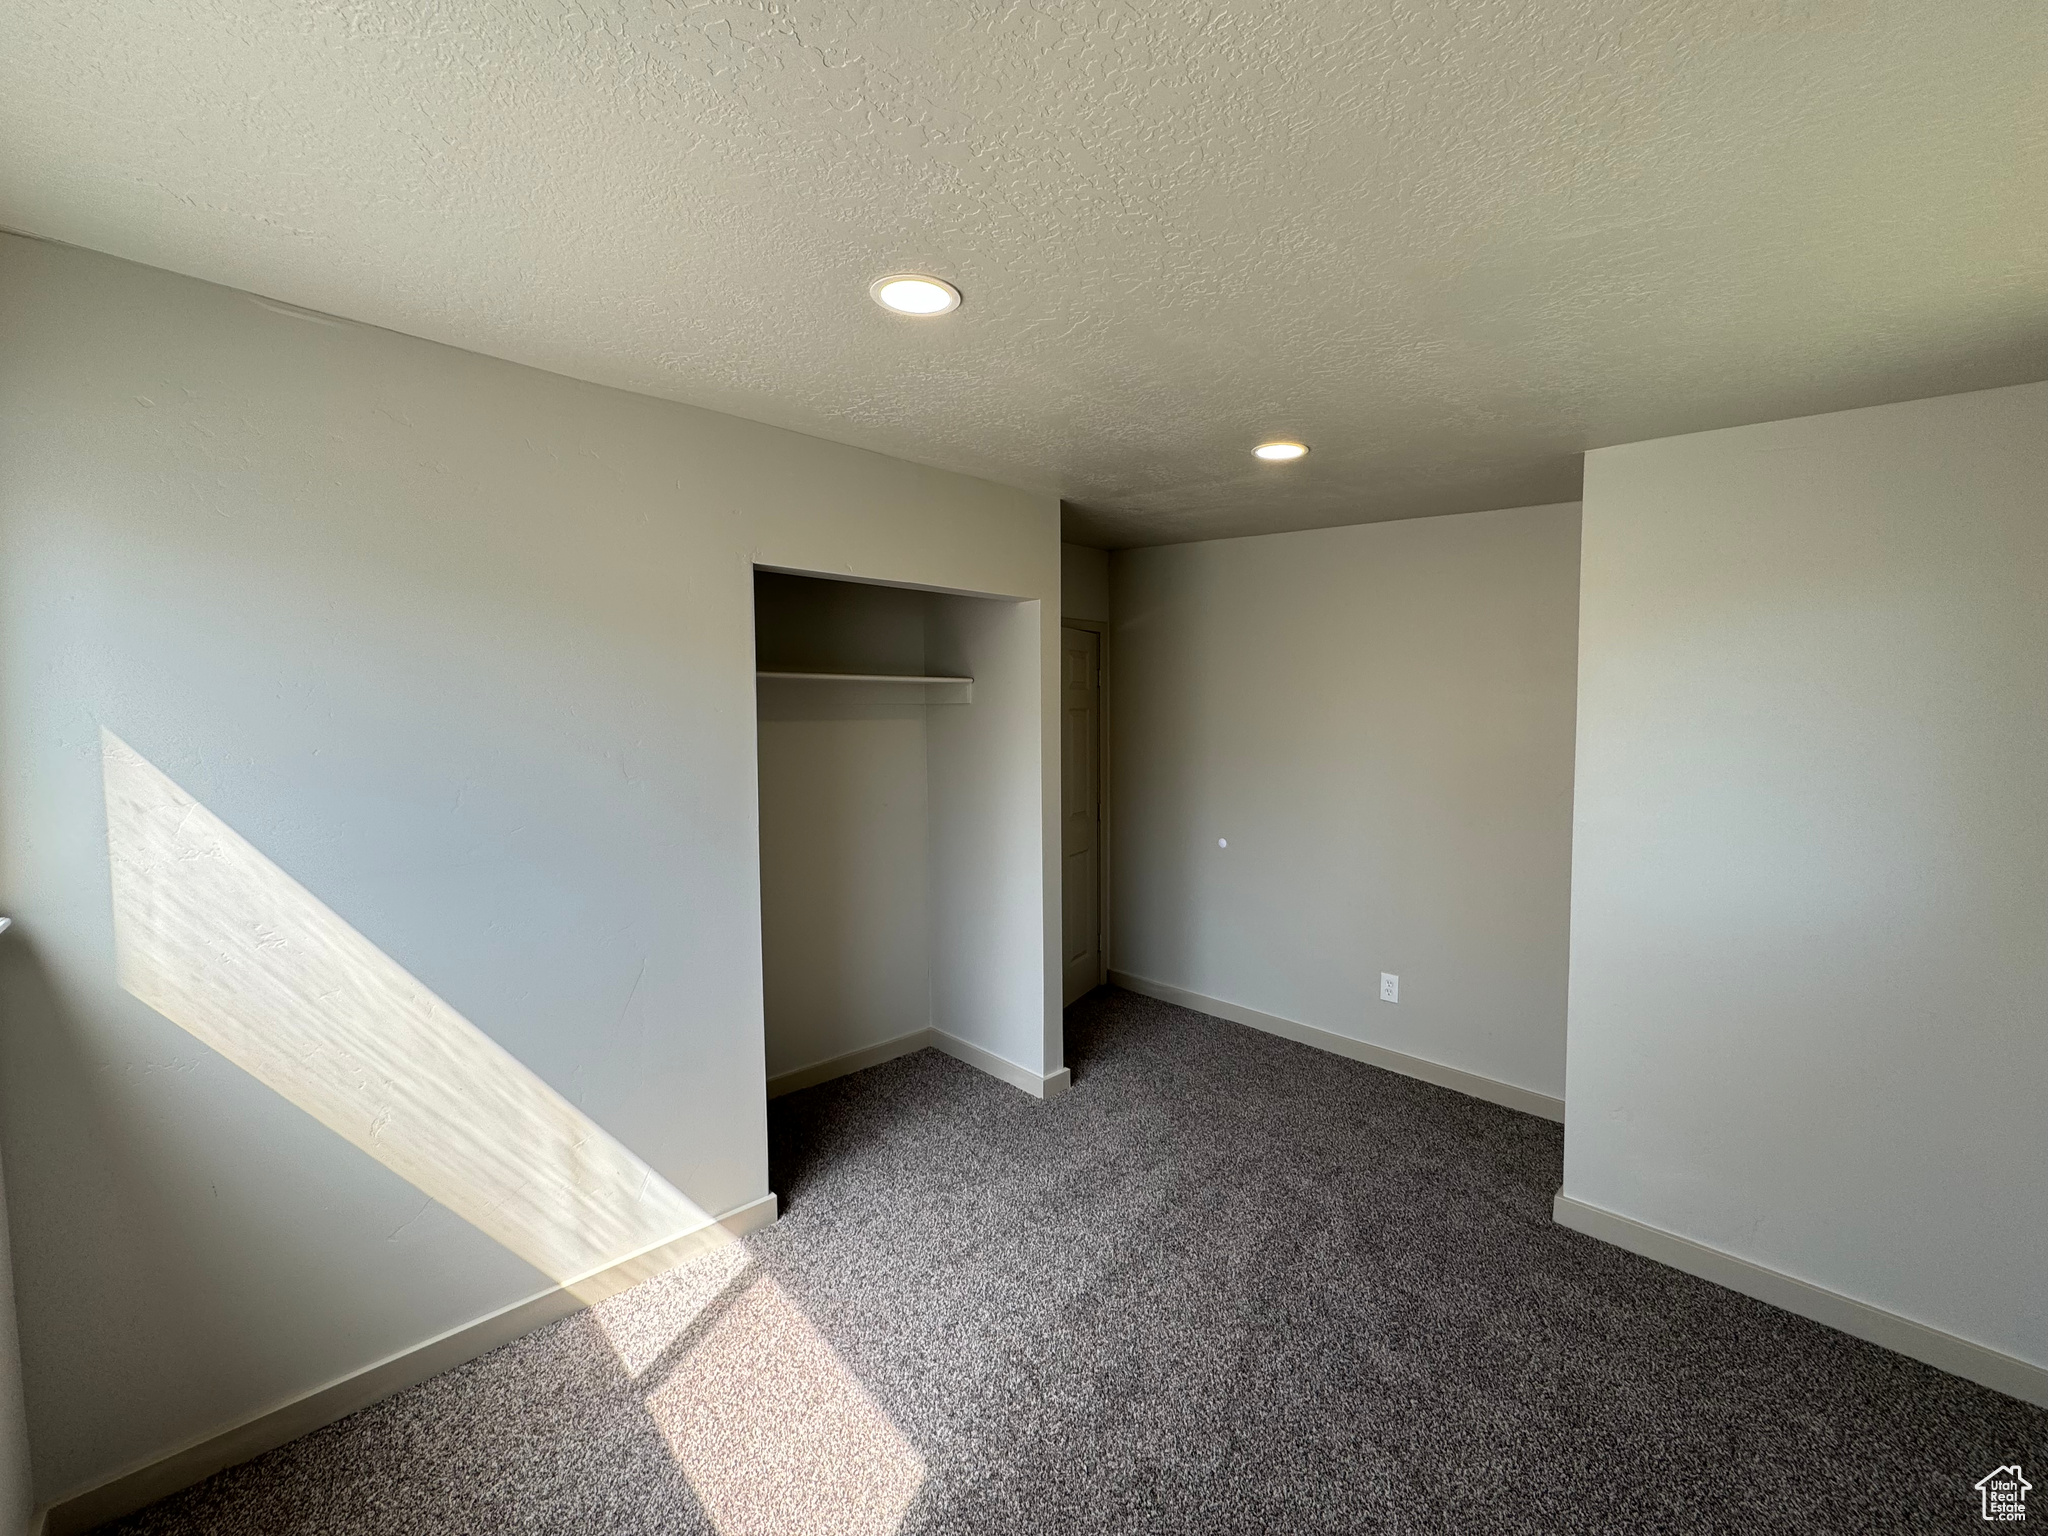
(902, 822)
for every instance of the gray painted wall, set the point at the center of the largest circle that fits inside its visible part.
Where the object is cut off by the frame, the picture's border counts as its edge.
(1810, 903)
(880, 813)
(17, 1481)
(845, 893)
(990, 765)
(1379, 720)
(1084, 583)
(466, 649)
(845, 890)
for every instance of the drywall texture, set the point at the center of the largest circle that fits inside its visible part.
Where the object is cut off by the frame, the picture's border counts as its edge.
(1810, 860)
(845, 904)
(17, 1482)
(465, 650)
(1084, 583)
(990, 767)
(1379, 722)
(881, 806)
(1430, 240)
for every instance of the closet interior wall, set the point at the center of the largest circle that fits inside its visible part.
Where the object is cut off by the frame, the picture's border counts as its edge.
(895, 819)
(845, 906)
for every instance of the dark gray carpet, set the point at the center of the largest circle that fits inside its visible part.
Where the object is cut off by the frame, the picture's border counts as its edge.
(1228, 1284)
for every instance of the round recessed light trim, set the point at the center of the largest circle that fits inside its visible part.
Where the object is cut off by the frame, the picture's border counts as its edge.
(913, 293)
(1282, 451)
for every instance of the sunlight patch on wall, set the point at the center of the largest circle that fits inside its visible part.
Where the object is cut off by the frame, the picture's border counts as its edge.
(230, 948)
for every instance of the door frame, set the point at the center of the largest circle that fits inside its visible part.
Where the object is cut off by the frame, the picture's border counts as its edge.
(1102, 833)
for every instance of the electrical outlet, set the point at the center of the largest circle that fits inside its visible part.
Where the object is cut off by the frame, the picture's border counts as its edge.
(1390, 987)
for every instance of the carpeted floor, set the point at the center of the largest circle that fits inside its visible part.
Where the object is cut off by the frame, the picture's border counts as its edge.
(1228, 1284)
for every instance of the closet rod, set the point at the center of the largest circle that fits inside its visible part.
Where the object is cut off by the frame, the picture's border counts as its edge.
(862, 677)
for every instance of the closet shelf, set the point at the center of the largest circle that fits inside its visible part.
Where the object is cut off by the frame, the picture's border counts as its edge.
(861, 677)
(897, 688)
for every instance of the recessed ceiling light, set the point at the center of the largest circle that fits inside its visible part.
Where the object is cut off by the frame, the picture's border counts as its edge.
(1280, 452)
(911, 293)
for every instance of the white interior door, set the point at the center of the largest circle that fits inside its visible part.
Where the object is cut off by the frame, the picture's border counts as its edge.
(1081, 808)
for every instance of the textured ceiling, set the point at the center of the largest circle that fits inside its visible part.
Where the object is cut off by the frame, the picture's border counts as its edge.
(1450, 245)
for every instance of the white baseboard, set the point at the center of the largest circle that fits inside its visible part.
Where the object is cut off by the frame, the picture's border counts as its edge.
(1527, 1100)
(1944, 1351)
(851, 1061)
(1039, 1086)
(160, 1476)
